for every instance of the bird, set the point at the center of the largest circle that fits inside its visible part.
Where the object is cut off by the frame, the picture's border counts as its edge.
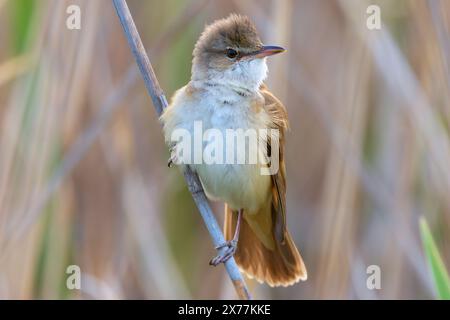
(227, 91)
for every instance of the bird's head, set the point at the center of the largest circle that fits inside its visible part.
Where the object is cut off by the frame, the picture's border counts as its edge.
(230, 51)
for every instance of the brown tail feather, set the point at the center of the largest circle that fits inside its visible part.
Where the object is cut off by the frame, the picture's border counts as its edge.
(282, 266)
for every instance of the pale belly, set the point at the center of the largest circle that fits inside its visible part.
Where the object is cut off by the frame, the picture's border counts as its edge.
(241, 186)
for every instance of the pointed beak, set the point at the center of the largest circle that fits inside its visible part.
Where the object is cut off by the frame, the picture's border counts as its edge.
(266, 51)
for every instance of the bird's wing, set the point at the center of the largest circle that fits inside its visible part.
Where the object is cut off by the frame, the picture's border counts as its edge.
(278, 115)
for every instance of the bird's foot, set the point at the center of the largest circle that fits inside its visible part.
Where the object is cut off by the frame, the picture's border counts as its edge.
(173, 158)
(230, 246)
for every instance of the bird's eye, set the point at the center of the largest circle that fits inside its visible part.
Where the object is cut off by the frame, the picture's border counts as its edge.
(231, 53)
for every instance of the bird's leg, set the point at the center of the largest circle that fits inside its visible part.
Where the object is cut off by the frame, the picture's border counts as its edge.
(173, 157)
(230, 245)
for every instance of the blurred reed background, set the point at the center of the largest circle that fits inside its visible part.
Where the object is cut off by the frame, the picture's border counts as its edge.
(83, 175)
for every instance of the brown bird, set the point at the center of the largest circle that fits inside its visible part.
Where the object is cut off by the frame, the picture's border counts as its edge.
(226, 92)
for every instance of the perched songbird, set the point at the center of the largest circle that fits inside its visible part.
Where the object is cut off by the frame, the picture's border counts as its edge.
(226, 91)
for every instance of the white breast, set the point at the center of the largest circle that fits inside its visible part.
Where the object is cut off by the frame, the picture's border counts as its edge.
(218, 107)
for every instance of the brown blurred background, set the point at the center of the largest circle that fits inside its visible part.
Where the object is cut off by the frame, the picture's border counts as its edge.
(83, 174)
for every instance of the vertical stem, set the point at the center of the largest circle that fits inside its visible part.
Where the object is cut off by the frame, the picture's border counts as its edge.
(160, 103)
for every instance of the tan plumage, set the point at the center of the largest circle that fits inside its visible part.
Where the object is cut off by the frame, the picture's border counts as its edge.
(227, 92)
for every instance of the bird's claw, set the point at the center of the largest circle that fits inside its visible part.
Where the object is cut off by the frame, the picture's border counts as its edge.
(173, 158)
(230, 246)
